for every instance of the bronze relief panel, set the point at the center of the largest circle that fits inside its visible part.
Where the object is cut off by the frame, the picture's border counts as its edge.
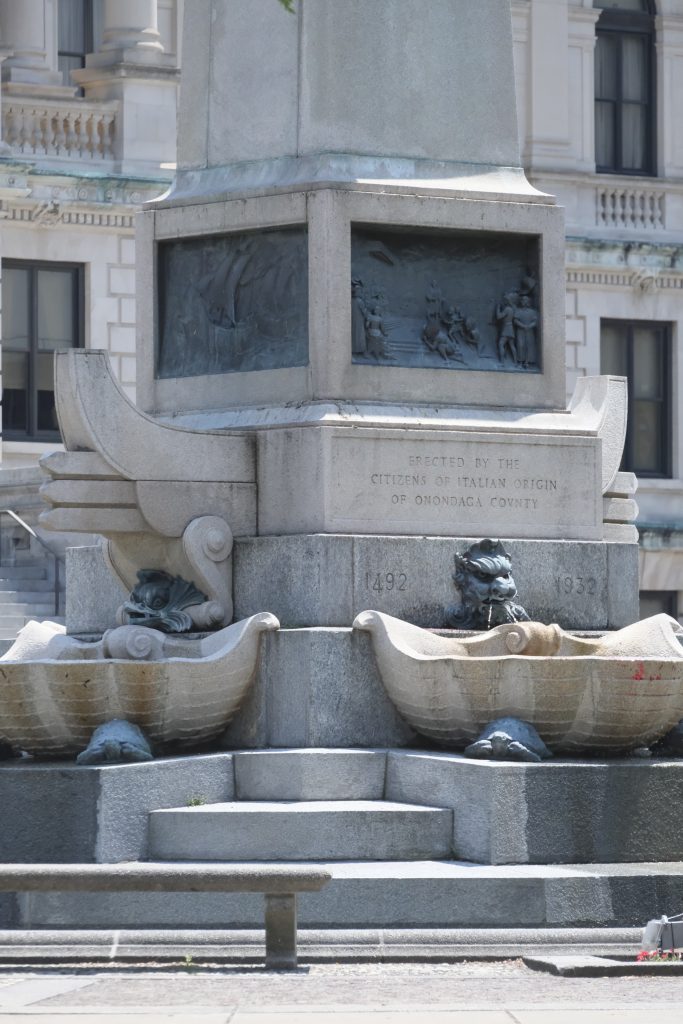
(461, 300)
(233, 303)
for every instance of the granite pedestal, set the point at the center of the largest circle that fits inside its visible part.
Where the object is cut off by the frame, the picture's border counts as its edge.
(564, 844)
(326, 580)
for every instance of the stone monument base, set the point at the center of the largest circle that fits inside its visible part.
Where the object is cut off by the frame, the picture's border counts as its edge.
(327, 579)
(413, 839)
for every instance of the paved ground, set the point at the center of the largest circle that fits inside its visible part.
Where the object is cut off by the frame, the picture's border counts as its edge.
(477, 992)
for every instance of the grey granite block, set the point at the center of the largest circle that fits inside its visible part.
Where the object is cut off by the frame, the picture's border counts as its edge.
(309, 774)
(325, 580)
(49, 812)
(129, 792)
(58, 812)
(317, 688)
(309, 578)
(556, 812)
(92, 594)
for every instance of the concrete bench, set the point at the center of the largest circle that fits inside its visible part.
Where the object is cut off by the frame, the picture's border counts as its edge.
(279, 884)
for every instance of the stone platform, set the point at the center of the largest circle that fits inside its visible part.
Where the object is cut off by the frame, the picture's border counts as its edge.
(326, 580)
(564, 844)
(426, 894)
(565, 811)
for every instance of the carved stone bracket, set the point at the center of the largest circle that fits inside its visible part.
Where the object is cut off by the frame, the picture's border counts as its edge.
(203, 555)
(162, 497)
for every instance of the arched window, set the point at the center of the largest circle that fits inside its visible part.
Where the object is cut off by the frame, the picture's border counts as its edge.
(625, 87)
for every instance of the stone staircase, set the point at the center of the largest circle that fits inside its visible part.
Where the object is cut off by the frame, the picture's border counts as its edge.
(392, 827)
(26, 592)
(286, 810)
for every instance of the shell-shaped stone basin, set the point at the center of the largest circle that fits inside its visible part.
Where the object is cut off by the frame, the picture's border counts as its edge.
(609, 693)
(50, 706)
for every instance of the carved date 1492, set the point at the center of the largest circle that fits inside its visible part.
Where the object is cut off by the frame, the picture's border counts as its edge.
(381, 581)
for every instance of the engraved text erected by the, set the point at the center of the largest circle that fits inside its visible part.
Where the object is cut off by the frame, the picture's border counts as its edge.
(508, 487)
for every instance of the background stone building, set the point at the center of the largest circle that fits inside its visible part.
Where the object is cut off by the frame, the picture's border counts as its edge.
(89, 91)
(600, 92)
(88, 134)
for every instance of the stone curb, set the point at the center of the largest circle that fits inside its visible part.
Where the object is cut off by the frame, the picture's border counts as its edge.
(541, 947)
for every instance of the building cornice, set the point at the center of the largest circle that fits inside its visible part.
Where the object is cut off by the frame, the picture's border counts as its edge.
(46, 198)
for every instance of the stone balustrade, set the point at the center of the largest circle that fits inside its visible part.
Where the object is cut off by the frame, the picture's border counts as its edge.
(620, 206)
(69, 130)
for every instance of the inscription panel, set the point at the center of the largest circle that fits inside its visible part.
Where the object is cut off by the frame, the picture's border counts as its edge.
(470, 486)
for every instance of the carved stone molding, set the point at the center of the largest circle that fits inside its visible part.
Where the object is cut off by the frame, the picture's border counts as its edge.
(625, 278)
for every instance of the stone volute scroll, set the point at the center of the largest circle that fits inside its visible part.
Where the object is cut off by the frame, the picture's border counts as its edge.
(165, 500)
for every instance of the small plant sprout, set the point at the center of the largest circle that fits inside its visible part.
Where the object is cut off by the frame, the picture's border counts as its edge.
(196, 801)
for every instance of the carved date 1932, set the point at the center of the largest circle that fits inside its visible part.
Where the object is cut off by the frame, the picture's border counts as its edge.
(576, 585)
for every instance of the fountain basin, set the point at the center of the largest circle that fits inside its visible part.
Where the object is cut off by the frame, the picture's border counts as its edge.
(610, 693)
(51, 704)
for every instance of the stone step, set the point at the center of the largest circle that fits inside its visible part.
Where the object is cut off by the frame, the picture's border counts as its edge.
(49, 947)
(11, 621)
(307, 830)
(310, 774)
(27, 609)
(423, 894)
(28, 596)
(23, 572)
(33, 585)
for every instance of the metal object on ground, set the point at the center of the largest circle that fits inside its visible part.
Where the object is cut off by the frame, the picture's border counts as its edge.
(663, 933)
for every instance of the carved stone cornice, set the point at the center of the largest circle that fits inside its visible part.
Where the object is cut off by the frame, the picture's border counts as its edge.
(49, 200)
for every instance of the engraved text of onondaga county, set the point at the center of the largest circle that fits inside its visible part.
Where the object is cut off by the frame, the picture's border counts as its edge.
(232, 303)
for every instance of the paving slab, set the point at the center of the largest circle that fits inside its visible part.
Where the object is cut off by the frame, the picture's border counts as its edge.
(601, 966)
(372, 1016)
(574, 1015)
(34, 990)
(109, 1017)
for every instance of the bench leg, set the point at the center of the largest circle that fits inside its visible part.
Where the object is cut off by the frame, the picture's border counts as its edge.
(281, 931)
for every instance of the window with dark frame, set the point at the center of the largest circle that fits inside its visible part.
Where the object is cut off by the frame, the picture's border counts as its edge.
(76, 34)
(654, 602)
(625, 88)
(42, 312)
(641, 351)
